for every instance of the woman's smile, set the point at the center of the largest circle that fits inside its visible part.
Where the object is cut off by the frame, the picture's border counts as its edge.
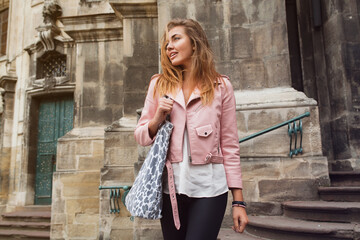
(179, 48)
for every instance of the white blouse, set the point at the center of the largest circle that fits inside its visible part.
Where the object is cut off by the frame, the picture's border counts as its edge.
(208, 180)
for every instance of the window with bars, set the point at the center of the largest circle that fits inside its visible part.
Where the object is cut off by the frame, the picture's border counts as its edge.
(3, 30)
(52, 64)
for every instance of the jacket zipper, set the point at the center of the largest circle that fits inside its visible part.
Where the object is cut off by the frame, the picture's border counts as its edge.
(189, 151)
(198, 108)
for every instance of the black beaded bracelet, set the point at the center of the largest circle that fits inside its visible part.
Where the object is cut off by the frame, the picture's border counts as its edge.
(242, 203)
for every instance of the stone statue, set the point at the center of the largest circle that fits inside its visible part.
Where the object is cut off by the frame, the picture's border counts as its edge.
(48, 29)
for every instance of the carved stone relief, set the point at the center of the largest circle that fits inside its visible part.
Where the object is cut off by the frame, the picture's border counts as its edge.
(51, 65)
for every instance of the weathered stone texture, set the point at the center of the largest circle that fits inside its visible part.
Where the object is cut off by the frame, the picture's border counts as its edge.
(76, 197)
(287, 190)
(260, 176)
(120, 155)
(102, 86)
(141, 63)
(80, 154)
(341, 28)
(250, 35)
(75, 205)
(120, 148)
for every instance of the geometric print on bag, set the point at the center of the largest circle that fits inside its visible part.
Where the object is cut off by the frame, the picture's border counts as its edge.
(145, 196)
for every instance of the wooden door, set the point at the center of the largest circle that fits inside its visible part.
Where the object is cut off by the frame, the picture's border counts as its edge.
(55, 120)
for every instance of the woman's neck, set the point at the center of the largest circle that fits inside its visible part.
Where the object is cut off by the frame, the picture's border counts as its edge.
(188, 85)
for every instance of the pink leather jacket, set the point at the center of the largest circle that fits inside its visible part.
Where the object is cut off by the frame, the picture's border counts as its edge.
(212, 129)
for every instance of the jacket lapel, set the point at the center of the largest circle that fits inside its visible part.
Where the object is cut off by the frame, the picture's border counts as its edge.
(194, 95)
(179, 98)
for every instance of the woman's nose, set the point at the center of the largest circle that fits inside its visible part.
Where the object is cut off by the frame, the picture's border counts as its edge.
(169, 46)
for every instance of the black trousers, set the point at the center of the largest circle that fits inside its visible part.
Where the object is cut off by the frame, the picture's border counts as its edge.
(200, 218)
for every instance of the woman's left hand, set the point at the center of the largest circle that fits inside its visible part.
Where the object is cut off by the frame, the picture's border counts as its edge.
(240, 219)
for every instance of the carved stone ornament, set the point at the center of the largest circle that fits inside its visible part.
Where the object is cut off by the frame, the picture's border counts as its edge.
(48, 29)
(49, 83)
(113, 126)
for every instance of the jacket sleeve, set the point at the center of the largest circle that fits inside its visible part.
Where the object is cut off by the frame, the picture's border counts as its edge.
(141, 133)
(229, 140)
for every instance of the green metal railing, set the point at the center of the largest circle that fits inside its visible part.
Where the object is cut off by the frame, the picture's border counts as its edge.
(115, 195)
(294, 130)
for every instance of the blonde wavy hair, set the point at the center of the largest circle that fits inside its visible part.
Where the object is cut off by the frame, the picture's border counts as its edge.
(203, 66)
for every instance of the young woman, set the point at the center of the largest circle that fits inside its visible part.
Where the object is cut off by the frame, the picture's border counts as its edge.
(204, 148)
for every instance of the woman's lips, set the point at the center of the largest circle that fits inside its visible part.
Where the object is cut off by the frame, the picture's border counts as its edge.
(172, 55)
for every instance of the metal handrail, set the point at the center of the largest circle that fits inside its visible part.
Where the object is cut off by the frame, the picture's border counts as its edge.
(292, 131)
(115, 194)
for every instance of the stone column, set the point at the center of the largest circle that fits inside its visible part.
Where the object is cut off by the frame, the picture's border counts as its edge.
(341, 32)
(7, 86)
(139, 18)
(249, 39)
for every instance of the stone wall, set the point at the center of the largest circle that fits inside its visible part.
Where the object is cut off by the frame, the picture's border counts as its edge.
(75, 198)
(330, 74)
(114, 50)
(342, 53)
(248, 38)
(118, 170)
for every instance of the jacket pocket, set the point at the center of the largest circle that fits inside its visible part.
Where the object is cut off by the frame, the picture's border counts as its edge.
(204, 131)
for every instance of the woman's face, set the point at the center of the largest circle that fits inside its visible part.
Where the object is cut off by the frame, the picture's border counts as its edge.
(179, 48)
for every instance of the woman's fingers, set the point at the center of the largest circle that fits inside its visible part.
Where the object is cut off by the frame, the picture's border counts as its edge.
(240, 219)
(164, 108)
(165, 104)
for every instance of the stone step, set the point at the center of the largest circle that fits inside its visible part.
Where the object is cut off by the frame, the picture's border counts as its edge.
(34, 208)
(27, 216)
(229, 234)
(30, 226)
(340, 194)
(23, 234)
(323, 211)
(283, 228)
(345, 178)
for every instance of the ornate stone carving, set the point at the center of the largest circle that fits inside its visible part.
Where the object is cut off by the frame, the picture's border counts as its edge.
(49, 82)
(48, 29)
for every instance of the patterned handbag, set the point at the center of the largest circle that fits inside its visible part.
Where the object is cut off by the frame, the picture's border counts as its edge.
(145, 196)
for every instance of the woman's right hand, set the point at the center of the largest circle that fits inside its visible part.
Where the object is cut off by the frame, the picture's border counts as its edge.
(164, 108)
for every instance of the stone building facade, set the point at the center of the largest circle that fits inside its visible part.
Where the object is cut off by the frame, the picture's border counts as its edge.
(75, 72)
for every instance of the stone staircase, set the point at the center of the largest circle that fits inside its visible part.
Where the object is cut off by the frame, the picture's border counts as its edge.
(336, 216)
(30, 222)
